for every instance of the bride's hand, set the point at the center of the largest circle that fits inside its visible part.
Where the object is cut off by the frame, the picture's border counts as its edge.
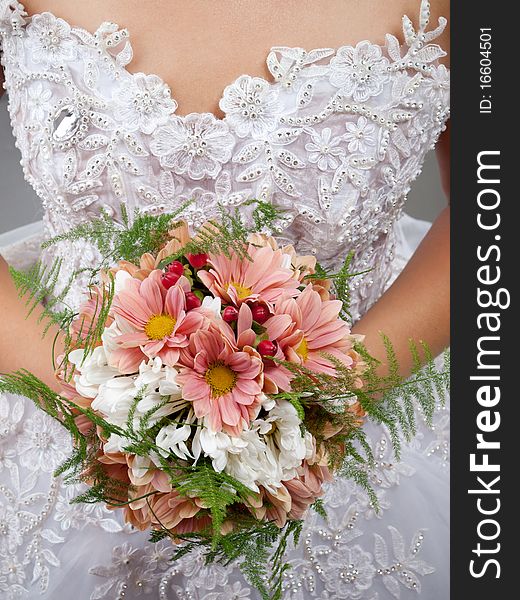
(21, 342)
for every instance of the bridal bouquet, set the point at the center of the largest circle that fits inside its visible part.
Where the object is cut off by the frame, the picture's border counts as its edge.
(212, 385)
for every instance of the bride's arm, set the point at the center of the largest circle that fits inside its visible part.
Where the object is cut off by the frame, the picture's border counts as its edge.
(417, 305)
(21, 342)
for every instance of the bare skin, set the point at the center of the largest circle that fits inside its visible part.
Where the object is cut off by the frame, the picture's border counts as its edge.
(198, 66)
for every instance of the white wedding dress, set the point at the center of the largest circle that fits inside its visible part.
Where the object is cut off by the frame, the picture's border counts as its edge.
(334, 138)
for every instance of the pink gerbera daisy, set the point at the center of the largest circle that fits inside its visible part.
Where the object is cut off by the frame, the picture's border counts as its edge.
(236, 280)
(153, 320)
(318, 330)
(224, 383)
(276, 376)
(280, 330)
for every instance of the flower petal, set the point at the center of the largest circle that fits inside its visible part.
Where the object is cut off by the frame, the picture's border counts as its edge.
(230, 413)
(175, 301)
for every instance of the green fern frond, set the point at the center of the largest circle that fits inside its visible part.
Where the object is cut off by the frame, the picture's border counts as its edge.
(251, 546)
(354, 471)
(217, 491)
(264, 215)
(341, 282)
(100, 231)
(131, 238)
(228, 234)
(156, 535)
(318, 507)
(292, 531)
(39, 287)
(127, 240)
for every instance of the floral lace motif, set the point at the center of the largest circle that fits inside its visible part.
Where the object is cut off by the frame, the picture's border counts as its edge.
(32, 504)
(359, 72)
(143, 103)
(335, 140)
(197, 145)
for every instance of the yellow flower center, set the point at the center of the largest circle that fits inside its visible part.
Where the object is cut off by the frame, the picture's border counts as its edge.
(242, 291)
(220, 378)
(303, 349)
(159, 327)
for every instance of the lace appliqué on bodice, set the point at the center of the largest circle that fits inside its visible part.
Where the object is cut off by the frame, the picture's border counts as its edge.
(334, 139)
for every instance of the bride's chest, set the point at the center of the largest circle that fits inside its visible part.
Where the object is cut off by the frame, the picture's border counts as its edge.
(333, 139)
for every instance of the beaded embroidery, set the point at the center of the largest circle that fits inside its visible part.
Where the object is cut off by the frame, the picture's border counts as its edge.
(334, 140)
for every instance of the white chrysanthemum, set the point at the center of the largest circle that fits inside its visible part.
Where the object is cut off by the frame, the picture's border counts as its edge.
(155, 382)
(115, 443)
(282, 432)
(115, 399)
(120, 280)
(93, 371)
(213, 305)
(217, 445)
(110, 336)
(264, 455)
(158, 380)
(267, 403)
(154, 388)
(256, 465)
(173, 438)
(109, 340)
(114, 395)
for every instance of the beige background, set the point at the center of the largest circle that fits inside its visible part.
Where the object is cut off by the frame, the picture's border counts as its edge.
(19, 205)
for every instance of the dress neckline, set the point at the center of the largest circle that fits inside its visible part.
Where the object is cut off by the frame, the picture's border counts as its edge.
(298, 54)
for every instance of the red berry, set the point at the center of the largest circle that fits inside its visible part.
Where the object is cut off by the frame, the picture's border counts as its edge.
(192, 301)
(267, 348)
(260, 313)
(169, 279)
(176, 267)
(197, 261)
(230, 314)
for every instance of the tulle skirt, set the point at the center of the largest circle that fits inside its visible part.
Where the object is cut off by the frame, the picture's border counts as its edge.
(50, 548)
